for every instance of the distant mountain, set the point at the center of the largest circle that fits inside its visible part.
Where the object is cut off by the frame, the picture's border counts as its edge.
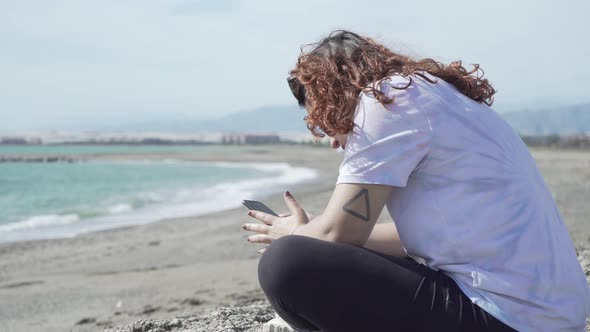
(263, 119)
(559, 120)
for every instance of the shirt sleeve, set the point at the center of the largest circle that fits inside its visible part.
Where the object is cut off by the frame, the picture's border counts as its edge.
(387, 141)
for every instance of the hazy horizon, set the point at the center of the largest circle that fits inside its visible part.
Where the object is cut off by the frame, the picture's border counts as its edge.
(73, 62)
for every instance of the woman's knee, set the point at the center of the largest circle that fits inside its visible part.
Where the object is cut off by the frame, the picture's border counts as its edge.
(283, 262)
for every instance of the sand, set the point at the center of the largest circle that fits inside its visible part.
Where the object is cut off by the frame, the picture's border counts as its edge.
(194, 264)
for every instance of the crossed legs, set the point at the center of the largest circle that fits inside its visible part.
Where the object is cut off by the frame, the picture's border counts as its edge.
(316, 285)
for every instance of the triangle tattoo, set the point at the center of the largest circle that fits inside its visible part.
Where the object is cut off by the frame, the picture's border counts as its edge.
(364, 193)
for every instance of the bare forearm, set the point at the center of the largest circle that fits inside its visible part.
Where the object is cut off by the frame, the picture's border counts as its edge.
(385, 239)
(316, 230)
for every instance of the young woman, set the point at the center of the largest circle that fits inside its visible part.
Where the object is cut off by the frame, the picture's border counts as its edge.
(477, 243)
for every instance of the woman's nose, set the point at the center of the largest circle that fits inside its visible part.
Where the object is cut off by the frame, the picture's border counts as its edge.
(334, 143)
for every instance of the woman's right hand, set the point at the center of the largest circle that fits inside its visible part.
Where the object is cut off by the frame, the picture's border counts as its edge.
(276, 227)
(310, 216)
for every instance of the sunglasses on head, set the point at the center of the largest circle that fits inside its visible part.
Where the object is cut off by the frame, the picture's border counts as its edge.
(297, 89)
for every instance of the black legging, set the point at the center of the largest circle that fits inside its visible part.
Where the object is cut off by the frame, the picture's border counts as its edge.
(316, 285)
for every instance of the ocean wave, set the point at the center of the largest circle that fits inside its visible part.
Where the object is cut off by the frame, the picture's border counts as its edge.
(120, 208)
(40, 221)
(147, 207)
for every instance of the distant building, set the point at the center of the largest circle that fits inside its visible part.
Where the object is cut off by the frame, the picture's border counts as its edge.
(19, 140)
(155, 141)
(250, 139)
(576, 141)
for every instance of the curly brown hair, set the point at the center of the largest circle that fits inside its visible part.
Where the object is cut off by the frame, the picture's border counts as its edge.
(328, 79)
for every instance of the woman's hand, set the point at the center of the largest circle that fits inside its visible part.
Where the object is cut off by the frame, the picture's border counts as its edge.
(276, 227)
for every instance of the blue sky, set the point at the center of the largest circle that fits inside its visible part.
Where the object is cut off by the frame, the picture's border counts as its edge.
(67, 61)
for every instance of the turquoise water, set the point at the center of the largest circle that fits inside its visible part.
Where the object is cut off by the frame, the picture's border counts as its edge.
(117, 149)
(90, 189)
(46, 200)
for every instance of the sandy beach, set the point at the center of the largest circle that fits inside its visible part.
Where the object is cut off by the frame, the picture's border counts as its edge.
(194, 264)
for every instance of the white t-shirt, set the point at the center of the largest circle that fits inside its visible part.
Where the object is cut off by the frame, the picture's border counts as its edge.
(468, 200)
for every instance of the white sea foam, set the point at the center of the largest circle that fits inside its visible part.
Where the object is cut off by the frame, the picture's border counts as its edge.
(39, 222)
(156, 206)
(120, 208)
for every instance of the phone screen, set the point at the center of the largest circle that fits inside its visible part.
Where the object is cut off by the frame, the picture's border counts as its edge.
(258, 206)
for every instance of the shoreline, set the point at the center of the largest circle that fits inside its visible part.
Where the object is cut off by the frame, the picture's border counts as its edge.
(191, 265)
(168, 267)
(203, 200)
(325, 178)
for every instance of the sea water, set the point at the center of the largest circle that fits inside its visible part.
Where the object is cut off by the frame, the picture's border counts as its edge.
(51, 200)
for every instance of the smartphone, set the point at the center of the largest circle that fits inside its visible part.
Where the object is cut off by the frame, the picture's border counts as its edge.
(258, 206)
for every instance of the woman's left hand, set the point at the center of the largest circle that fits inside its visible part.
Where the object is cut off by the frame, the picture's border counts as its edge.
(275, 227)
